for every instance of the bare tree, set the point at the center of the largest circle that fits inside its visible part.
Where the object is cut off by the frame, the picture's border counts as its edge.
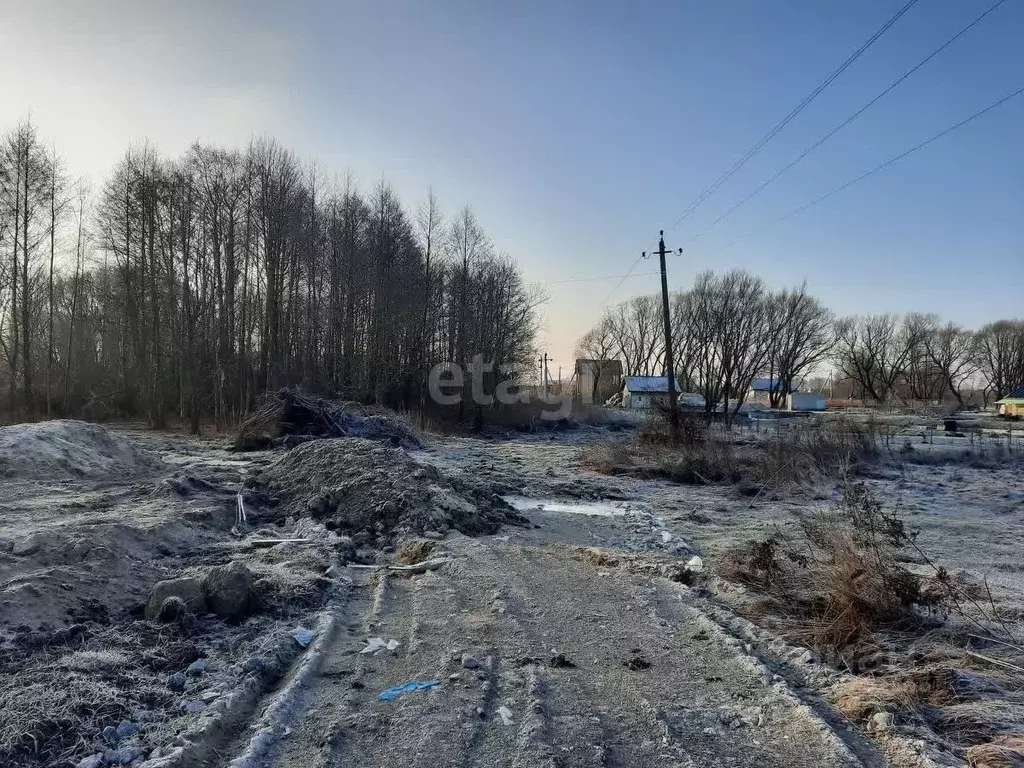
(875, 351)
(599, 346)
(1000, 356)
(802, 336)
(953, 352)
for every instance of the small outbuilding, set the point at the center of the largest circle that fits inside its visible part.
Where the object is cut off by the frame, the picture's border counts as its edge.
(805, 401)
(1013, 404)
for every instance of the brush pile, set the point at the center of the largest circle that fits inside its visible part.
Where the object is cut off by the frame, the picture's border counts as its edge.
(377, 493)
(289, 417)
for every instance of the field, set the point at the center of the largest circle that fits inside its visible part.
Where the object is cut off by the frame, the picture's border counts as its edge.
(565, 616)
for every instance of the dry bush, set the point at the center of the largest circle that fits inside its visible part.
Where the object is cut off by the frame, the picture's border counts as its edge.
(698, 457)
(836, 581)
(710, 462)
(813, 451)
(693, 428)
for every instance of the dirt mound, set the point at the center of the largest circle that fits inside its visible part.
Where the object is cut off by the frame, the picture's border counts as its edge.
(59, 450)
(287, 417)
(357, 485)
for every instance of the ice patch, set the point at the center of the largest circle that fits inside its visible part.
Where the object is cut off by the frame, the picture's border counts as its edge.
(595, 508)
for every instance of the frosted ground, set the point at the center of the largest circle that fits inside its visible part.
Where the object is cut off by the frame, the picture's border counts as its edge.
(574, 620)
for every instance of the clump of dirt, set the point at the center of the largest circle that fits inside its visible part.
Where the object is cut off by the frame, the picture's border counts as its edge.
(359, 486)
(412, 551)
(62, 450)
(288, 417)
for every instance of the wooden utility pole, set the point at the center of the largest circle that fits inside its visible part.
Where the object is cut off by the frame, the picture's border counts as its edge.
(670, 372)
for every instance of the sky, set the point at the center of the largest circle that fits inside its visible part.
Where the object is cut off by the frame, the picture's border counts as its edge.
(577, 130)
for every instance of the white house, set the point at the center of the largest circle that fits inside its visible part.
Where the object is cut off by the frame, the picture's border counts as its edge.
(646, 391)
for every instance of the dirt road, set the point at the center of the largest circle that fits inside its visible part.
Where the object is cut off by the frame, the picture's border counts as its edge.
(596, 666)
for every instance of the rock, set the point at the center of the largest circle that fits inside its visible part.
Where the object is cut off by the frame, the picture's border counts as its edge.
(253, 664)
(481, 712)
(109, 735)
(808, 657)
(454, 677)
(194, 707)
(93, 761)
(469, 662)
(188, 589)
(881, 722)
(156, 753)
(196, 668)
(228, 590)
(28, 545)
(176, 682)
(126, 729)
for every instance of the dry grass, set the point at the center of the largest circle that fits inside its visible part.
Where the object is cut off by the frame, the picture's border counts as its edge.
(1005, 751)
(862, 697)
(835, 582)
(704, 454)
(95, 661)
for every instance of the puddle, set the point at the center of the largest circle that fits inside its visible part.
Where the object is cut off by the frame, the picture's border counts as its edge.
(594, 508)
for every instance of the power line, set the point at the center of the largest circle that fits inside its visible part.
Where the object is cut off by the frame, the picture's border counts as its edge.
(757, 147)
(593, 279)
(877, 168)
(619, 284)
(847, 121)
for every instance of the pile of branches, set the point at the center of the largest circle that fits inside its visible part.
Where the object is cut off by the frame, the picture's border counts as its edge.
(289, 417)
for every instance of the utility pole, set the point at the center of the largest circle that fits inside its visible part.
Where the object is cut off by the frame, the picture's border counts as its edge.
(670, 372)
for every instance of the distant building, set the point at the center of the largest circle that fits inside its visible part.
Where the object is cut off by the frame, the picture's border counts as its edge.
(805, 401)
(608, 373)
(648, 391)
(1013, 404)
(761, 390)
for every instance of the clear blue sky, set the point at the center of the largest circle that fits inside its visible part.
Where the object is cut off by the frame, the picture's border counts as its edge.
(577, 129)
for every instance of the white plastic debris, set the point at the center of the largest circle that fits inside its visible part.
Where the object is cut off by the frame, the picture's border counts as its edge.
(506, 715)
(377, 644)
(302, 636)
(695, 563)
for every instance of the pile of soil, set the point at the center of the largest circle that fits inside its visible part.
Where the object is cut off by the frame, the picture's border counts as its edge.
(355, 485)
(65, 450)
(288, 417)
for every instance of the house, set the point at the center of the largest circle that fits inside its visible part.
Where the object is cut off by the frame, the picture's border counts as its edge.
(761, 390)
(1013, 404)
(609, 379)
(648, 391)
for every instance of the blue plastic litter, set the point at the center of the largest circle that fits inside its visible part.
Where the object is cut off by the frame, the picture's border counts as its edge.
(413, 685)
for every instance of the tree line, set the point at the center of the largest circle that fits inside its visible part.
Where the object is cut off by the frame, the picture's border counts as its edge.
(189, 286)
(730, 328)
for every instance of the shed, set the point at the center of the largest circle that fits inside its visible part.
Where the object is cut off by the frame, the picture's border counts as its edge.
(1013, 404)
(805, 401)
